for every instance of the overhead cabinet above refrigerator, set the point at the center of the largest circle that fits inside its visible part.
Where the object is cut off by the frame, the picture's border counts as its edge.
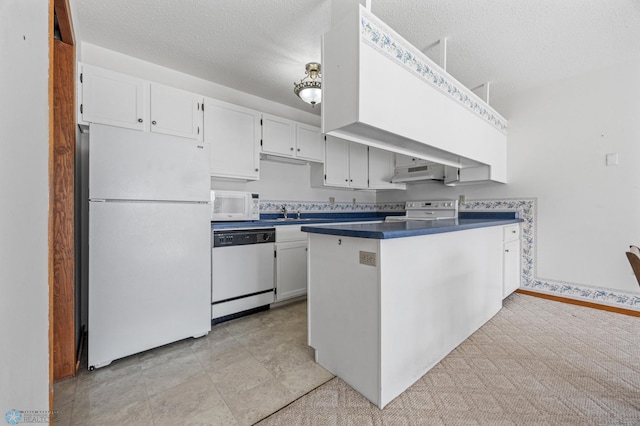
(379, 90)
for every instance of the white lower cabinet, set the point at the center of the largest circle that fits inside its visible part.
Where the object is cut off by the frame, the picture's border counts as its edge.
(510, 260)
(291, 270)
(291, 262)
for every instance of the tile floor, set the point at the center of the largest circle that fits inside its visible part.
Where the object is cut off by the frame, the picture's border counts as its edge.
(241, 372)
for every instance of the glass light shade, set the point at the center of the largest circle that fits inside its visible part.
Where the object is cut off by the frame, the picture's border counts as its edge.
(309, 89)
(311, 95)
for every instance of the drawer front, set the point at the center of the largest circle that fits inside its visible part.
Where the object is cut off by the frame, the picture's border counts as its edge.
(290, 233)
(510, 233)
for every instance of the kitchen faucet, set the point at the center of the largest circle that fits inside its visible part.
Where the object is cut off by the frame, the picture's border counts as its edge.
(283, 210)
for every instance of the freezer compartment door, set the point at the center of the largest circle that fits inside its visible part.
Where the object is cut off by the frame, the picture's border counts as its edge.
(149, 276)
(127, 164)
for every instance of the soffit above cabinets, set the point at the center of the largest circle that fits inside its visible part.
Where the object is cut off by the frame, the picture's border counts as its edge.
(261, 47)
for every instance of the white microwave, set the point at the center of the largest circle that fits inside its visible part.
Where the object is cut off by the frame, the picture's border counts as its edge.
(234, 206)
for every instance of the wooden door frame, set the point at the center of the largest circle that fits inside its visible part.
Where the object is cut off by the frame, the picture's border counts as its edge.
(62, 134)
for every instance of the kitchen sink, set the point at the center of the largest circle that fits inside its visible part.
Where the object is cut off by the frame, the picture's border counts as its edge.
(291, 219)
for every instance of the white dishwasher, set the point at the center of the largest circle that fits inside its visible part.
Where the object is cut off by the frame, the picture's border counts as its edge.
(242, 272)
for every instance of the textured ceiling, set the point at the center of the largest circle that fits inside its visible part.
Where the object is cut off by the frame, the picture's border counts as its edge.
(261, 46)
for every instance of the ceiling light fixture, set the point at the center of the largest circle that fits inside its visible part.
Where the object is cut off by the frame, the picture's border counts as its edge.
(309, 88)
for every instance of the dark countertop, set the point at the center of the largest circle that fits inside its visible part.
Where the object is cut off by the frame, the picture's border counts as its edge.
(386, 230)
(270, 220)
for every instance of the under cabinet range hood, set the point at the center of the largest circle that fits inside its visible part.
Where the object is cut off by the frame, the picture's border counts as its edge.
(424, 172)
(420, 111)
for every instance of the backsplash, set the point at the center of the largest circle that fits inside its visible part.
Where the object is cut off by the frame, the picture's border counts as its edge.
(530, 280)
(275, 206)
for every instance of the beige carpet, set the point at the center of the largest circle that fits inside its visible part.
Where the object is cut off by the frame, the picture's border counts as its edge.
(537, 362)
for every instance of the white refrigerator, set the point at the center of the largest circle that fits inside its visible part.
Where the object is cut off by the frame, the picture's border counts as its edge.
(149, 242)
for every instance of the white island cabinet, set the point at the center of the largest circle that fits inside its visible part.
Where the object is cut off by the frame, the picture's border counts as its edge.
(382, 312)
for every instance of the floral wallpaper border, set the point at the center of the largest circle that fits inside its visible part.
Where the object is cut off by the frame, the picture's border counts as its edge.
(406, 55)
(275, 206)
(530, 281)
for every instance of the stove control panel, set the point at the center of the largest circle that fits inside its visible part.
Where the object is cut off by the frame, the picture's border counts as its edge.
(432, 205)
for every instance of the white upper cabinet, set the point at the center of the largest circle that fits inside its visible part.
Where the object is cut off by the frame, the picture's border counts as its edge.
(309, 143)
(233, 133)
(358, 166)
(381, 169)
(286, 138)
(176, 112)
(112, 98)
(425, 113)
(116, 99)
(345, 164)
(352, 165)
(336, 162)
(278, 136)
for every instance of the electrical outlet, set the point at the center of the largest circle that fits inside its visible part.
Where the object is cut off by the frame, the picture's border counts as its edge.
(332, 201)
(368, 258)
(612, 159)
(461, 199)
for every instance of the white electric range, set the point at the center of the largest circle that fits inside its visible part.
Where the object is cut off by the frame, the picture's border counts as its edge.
(428, 210)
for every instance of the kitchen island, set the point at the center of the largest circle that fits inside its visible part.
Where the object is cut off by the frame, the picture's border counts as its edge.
(388, 301)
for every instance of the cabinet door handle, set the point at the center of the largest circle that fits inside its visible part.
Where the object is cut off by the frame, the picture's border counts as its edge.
(298, 149)
(506, 251)
(291, 148)
(256, 170)
(139, 120)
(153, 122)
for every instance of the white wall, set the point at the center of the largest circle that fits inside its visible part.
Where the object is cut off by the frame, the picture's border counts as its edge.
(278, 181)
(24, 186)
(289, 182)
(587, 213)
